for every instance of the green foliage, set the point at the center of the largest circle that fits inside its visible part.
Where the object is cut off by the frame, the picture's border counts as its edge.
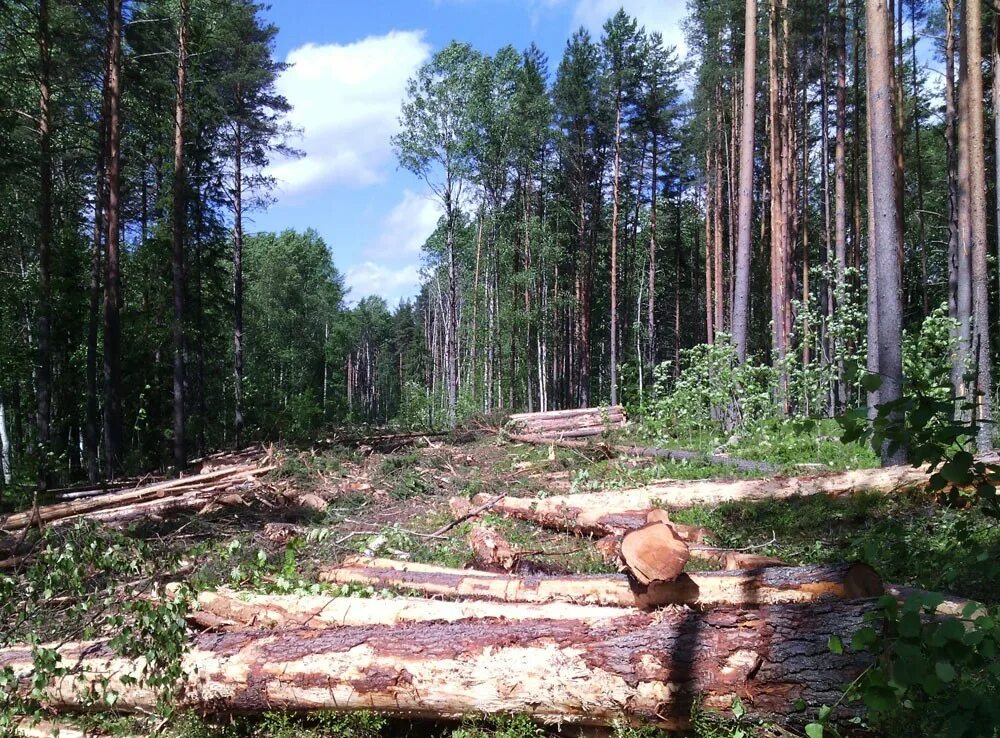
(712, 391)
(932, 675)
(103, 576)
(928, 429)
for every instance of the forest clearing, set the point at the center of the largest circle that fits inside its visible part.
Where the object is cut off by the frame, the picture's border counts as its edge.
(521, 369)
(395, 584)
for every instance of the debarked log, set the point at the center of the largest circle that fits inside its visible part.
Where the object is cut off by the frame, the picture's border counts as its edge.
(226, 609)
(648, 667)
(598, 512)
(778, 584)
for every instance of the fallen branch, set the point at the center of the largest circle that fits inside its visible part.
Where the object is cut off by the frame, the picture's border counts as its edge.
(113, 506)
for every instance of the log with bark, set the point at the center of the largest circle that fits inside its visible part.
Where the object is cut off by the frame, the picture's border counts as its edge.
(644, 667)
(613, 449)
(601, 513)
(697, 589)
(186, 493)
(557, 424)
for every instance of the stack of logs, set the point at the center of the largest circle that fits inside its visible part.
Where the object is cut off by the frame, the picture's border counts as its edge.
(566, 424)
(644, 645)
(227, 484)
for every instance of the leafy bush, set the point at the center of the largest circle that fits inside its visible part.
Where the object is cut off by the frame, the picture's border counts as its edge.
(712, 391)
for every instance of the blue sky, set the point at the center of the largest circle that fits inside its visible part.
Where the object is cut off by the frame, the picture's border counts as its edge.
(350, 62)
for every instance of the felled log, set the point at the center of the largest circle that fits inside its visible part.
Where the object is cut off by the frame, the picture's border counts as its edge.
(225, 609)
(645, 452)
(585, 519)
(654, 552)
(701, 589)
(577, 423)
(647, 667)
(595, 512)
(92, 508)
(490, 549)
(613, 410)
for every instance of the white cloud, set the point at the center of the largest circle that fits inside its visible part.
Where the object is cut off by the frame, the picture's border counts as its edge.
(391, 266)
(665, 16)
(406, 228)
(391, 283)
(346, 100)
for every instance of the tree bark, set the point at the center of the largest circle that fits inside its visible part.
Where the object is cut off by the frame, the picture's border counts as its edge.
(113, 421)
(43, 332)
(177, 238)
(741, 300)
(229, 610)
(981, 348)
(886, 215)
(771, 657)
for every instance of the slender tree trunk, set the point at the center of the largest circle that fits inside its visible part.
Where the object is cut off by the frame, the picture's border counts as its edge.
(5, 460)
(720, 290)
(238, 337)
(177, 239)
(840, 192)
(951, 146)
(651, 296)
(885, 218)
(741, 300)
(43, 331)
(451, 333)
(981, 348)
(113, 422)
(614, 251)
(963, 292)
(709, 239)
(996, 132)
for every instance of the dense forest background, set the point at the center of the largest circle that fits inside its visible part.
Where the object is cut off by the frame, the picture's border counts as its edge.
(808, 196)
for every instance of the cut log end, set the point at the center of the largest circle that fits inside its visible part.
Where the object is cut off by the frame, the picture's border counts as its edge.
(654, 552)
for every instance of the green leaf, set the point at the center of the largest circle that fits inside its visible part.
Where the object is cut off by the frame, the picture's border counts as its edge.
(814, 730)
(738, 709)
(945, 671)
(835, 644)
(870, 382)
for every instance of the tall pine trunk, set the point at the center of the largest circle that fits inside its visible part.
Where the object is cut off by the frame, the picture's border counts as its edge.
(614, 250)
(43, 375)
(884, 215)
(177, 239)
(741, 299)
(238, 338)
(113, 422)
(978, 248)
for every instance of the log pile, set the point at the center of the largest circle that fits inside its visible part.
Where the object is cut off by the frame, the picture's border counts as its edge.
(226, 485)
(645, 644)
(561, 424)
